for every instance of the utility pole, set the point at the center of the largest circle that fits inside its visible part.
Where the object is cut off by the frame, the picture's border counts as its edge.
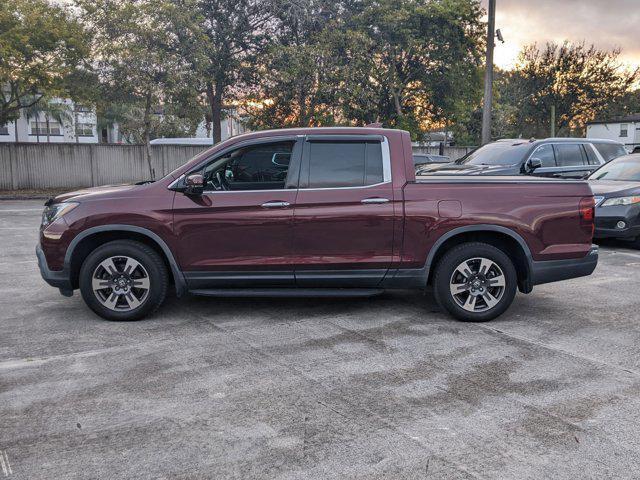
(488, 76)
(553, 121)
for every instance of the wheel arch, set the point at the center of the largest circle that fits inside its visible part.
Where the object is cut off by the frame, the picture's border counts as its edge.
(501, 237)
(88, 240)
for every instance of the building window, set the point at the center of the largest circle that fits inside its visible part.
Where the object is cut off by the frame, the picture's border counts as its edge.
(4, 130)
(40, 128)
(624, 130)
(82, 108)
(84, 129)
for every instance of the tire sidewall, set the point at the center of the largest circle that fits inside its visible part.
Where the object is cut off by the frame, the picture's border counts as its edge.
(148, 258)
(455, 257)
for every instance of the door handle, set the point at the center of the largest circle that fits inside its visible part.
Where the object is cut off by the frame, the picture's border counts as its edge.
(374, 200)
(275, 205)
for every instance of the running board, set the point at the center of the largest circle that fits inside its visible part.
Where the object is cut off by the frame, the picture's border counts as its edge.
(287, 292)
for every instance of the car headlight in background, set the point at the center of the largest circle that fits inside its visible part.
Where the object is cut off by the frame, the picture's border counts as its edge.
(611, 202)
(53, 212)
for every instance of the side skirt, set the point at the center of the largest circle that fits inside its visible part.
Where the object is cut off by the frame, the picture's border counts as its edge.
(287, 292)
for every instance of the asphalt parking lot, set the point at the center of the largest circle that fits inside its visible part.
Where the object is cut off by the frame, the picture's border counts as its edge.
(288, 388)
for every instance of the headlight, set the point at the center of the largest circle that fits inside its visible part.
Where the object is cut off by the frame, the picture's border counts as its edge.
(611, 202)
(55, 211)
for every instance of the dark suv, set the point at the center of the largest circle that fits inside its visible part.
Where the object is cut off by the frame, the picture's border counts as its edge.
(552, 157)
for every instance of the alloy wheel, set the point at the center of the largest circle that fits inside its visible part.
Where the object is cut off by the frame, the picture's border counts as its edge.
(477, 284)
(120, 283)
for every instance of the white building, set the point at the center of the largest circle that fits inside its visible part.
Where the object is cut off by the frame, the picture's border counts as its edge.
(70, 123)
(621, 129)
(75, 123)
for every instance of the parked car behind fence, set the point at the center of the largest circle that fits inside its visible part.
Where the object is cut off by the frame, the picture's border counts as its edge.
(551, 157)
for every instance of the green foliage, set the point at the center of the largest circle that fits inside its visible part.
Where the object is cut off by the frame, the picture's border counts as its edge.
(220, 41)
(138, 61)
(408, 63)
(41, 47)
(580, 81)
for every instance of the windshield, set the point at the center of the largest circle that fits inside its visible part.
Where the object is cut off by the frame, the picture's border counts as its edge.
(625, 169)
(497, 153)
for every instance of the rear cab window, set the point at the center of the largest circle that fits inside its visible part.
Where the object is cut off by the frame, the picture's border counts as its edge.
(335, 163)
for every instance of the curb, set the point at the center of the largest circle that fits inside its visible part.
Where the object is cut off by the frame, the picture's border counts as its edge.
(25, 197)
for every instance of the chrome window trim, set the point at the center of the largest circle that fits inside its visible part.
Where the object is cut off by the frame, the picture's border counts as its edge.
(386, 161)
(242, 144)
(595, 150)
(359, 187)
(386, 167)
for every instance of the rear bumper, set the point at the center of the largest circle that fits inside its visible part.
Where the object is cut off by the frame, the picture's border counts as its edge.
(56, 278)
(556, 270)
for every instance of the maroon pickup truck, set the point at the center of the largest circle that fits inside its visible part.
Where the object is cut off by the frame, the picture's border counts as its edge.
(316, 212)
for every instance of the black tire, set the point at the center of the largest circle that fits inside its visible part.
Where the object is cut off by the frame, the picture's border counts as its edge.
(443, 279)
(152, 265)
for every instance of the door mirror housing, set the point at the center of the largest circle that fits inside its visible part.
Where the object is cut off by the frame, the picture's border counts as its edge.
(194, 184)
(533, 164)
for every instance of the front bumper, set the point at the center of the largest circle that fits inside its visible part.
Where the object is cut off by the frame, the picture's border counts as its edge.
(555, 270)
(56, 278)
(607, 219)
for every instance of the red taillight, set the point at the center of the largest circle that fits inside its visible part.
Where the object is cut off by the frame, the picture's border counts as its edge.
(587, 209)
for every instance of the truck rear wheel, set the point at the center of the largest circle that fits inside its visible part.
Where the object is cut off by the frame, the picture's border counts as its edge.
(475, 282)
(123, 280)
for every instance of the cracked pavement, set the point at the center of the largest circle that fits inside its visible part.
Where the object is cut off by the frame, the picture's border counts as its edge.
(387, 387)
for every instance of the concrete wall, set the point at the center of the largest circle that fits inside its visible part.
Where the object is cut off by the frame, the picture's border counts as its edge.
(68, 165)
(33, 166)
(454, 153)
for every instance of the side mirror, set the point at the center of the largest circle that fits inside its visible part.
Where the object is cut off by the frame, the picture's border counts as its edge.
(533, 164)
(194, 184)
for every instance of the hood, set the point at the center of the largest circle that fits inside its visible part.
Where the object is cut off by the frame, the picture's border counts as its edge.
(613, 188)
(105, 191)
(466, 169)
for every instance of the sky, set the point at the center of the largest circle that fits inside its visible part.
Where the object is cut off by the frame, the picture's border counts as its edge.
(605, 23)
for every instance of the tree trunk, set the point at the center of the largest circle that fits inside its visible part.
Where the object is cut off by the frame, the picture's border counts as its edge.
(75, 126)
(302, 101)
(214, 95)
(396, 103)
(15, 128)
(147, 135)
(46, 119)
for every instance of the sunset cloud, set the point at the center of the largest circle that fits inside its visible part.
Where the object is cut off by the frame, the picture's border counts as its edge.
(606, 23)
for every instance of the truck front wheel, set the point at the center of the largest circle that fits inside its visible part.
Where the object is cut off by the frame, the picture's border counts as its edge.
(475, 282)
(123, 280)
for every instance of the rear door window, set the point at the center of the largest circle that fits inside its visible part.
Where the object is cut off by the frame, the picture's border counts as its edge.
(333, 164)
(569, 155)
(609, 151)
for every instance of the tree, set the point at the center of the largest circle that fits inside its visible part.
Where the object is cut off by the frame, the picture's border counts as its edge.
(41, 45)
(219, 40)
(579, 81)
(297, 72)
(408, 64)
(137, 56)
